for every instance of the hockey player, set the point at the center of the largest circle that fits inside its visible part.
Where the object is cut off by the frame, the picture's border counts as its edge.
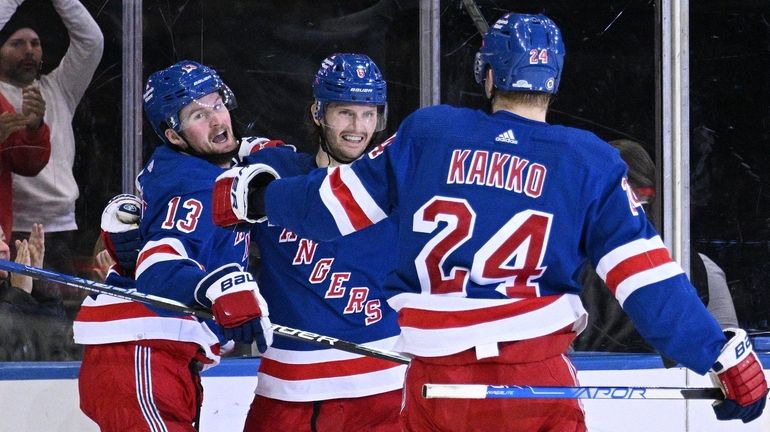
(497, 213)
(331, 288)
(140, 369)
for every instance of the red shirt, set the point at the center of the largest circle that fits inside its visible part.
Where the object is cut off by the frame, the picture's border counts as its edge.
(25, 152)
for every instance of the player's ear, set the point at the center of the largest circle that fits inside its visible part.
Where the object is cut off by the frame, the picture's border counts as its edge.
(314, 113)
(489, 83)
(173, 137)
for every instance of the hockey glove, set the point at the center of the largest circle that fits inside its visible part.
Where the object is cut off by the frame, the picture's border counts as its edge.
(238, 307)
(738, 372)
(238, 196)
(252, 144)
(120, 231)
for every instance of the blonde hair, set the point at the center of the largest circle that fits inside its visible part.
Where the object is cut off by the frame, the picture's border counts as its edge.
(522, 98)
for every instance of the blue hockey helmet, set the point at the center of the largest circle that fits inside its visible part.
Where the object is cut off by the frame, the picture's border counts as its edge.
(171, 89)
(525, 52)
(350, 78)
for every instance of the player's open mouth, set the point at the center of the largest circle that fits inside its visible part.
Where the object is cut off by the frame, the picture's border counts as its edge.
(353, 138)
(219, 139)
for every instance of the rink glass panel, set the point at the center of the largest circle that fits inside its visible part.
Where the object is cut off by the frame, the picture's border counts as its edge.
(268, 52)
(729, 148)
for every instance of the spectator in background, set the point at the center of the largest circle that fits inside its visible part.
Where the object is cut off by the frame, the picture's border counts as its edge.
(54, 188)
(25, 147)
(102, 262)
(33, 325)
(609, 328)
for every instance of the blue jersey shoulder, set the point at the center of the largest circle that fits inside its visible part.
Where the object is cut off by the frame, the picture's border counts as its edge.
(439, 119)
(170, 171)
(581, 145)
(284, 160)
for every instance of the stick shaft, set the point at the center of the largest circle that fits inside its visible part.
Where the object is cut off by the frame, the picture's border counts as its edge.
(161, 302)
(339, 344)
(102, 288)
(482, 391)
(475, 14)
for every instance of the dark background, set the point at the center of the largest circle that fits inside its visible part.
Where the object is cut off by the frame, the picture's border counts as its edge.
(730, 124)
(268, 51)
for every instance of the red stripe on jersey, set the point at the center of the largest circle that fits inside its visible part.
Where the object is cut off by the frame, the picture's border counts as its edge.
(118, 311)
(162, 248)
(342, 192)
(114, 312)
(330, 369)
(432, 320)
(636, 264)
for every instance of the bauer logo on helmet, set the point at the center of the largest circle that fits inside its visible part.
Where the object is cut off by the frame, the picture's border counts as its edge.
(202, 80)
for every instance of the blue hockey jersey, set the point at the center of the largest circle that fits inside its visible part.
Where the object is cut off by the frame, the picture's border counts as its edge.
(496, 216)
(331, 288)
(181, 244)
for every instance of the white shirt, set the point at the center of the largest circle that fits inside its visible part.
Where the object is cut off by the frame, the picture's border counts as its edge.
(49, 198)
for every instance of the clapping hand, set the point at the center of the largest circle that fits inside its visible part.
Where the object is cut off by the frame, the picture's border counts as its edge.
(29, 252)
(32, 107)
(102, 263)
(22, 282)
(37, 245)
(11, 122)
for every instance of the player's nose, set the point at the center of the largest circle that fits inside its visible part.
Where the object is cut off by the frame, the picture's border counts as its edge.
(216, 119)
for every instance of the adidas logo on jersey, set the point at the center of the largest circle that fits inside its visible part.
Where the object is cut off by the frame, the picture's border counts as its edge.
(507, 137)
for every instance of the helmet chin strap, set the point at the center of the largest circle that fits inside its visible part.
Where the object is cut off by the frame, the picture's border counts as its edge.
(329, 154)
(324, 143)
(317, 114)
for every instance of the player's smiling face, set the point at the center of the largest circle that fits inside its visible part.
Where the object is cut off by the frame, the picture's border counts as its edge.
(206, 126)
(348, 128)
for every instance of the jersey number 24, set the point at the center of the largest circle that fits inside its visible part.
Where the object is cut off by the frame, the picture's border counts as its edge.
(512, 258)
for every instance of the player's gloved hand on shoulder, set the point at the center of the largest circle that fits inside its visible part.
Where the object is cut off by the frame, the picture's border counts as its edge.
(239, 195)
(238, 307)
(120, 231)
(738, 372)
(252, 144)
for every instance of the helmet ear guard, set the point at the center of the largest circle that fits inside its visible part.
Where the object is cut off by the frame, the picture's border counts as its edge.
(525, 53)
(316, 113)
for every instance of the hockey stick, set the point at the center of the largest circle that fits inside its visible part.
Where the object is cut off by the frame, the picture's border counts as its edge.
(173, 305)
(476, 16)
(480, 391)
(102, 288)
(339, 344)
